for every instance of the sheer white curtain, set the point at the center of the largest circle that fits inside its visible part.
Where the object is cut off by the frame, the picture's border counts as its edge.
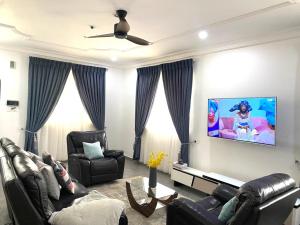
(68, 115)
(160, 133)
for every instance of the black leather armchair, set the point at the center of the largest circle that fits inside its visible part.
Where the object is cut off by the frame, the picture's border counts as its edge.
(90, 172)
(265, 201)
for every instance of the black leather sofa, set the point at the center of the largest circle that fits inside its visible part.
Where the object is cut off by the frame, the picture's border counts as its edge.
(20, 182)
(265, 201)
(90, 172)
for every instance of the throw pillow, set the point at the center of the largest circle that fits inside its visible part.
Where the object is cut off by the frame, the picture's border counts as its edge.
(228, 210)
(93, 150)
(61, 174)
(51, 181)
(63, 177)
(31, 155)
(34, 183)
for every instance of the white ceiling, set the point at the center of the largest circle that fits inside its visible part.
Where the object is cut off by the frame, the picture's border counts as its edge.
(58, 26)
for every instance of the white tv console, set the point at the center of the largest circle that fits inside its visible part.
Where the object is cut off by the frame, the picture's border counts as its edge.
(202, 181)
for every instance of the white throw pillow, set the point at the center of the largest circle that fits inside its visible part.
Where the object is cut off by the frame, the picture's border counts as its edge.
(101, 212)
(53, 187)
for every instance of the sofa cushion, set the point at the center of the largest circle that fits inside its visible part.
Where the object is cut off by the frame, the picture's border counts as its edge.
(34, 184)
(66, 199)
(51, 181)
(93, 150)
(209, 203)
(268, 187)
(77, 138)
(104, 166)
(5, 142)
(12, 150)
(104, 211)
(61, 173)
(35, 158)
(228, 210)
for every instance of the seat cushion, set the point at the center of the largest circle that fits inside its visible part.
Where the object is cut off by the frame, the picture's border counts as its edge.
(104, 166)
(66, 199)
(209, 203)
(212, 205)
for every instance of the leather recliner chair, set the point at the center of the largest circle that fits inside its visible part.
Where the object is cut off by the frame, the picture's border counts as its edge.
(90, 172)
(265, 201)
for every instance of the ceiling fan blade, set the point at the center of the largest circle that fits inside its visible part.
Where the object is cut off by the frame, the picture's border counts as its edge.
(101, 35)
(137, 40)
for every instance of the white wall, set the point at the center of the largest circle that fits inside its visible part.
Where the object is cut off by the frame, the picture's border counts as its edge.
(13, 87)
(265, 70)
(120, 101)
(269, 70)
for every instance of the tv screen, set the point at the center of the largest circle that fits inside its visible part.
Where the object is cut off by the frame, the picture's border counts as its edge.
(243, 119)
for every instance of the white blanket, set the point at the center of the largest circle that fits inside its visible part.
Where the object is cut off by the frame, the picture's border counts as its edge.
(93, 209)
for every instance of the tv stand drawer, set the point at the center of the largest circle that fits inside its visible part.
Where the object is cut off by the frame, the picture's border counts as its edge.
(204, 185)
(182, 178)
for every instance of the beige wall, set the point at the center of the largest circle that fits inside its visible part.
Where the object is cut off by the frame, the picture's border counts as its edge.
(264, 70)
(13, 87)
(268, 70)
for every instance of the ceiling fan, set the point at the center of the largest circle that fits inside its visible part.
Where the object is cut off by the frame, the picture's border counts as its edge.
(121, 29)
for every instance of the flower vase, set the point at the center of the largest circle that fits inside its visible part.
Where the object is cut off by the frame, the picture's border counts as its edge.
(152, 177)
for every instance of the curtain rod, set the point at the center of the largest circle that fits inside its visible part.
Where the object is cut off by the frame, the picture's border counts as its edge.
(69, 60)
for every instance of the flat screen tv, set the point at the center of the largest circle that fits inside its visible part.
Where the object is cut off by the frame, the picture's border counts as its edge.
(243, 119)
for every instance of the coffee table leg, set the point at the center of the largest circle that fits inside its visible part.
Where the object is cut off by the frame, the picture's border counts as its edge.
(169, 200)
(147, 209)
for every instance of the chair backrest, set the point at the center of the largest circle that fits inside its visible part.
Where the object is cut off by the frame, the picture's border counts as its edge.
(20, 206)
(267, 200)
(75, 139)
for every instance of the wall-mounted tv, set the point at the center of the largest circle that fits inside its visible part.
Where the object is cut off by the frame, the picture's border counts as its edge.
(244, 119)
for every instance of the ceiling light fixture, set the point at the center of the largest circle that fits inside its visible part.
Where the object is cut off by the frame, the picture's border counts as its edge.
(203, 34)
(114, 58)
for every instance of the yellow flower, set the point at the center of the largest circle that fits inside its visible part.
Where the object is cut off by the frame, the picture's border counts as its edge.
(154, 161)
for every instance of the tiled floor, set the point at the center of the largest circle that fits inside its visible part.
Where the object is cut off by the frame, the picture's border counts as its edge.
(132, 169)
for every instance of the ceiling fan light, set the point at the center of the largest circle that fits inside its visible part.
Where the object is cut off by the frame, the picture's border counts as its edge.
(203, 34)
(114, 58)
(123, 26)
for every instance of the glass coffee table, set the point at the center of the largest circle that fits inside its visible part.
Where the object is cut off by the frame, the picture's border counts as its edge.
(159, 196)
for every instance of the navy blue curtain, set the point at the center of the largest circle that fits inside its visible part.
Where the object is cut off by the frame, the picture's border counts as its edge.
(90, 82)
(46, 82)
(146, 86)
(178, 80)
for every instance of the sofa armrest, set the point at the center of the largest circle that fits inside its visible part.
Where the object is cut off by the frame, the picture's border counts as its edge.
(224, 193)
(79, 168)
(113, 153)
(184, 211)
(78, 156)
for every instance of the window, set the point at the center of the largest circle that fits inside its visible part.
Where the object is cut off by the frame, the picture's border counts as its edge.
(160, 133)
(68, 115)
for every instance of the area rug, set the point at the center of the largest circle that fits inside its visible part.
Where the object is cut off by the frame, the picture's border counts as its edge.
(117, 190)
